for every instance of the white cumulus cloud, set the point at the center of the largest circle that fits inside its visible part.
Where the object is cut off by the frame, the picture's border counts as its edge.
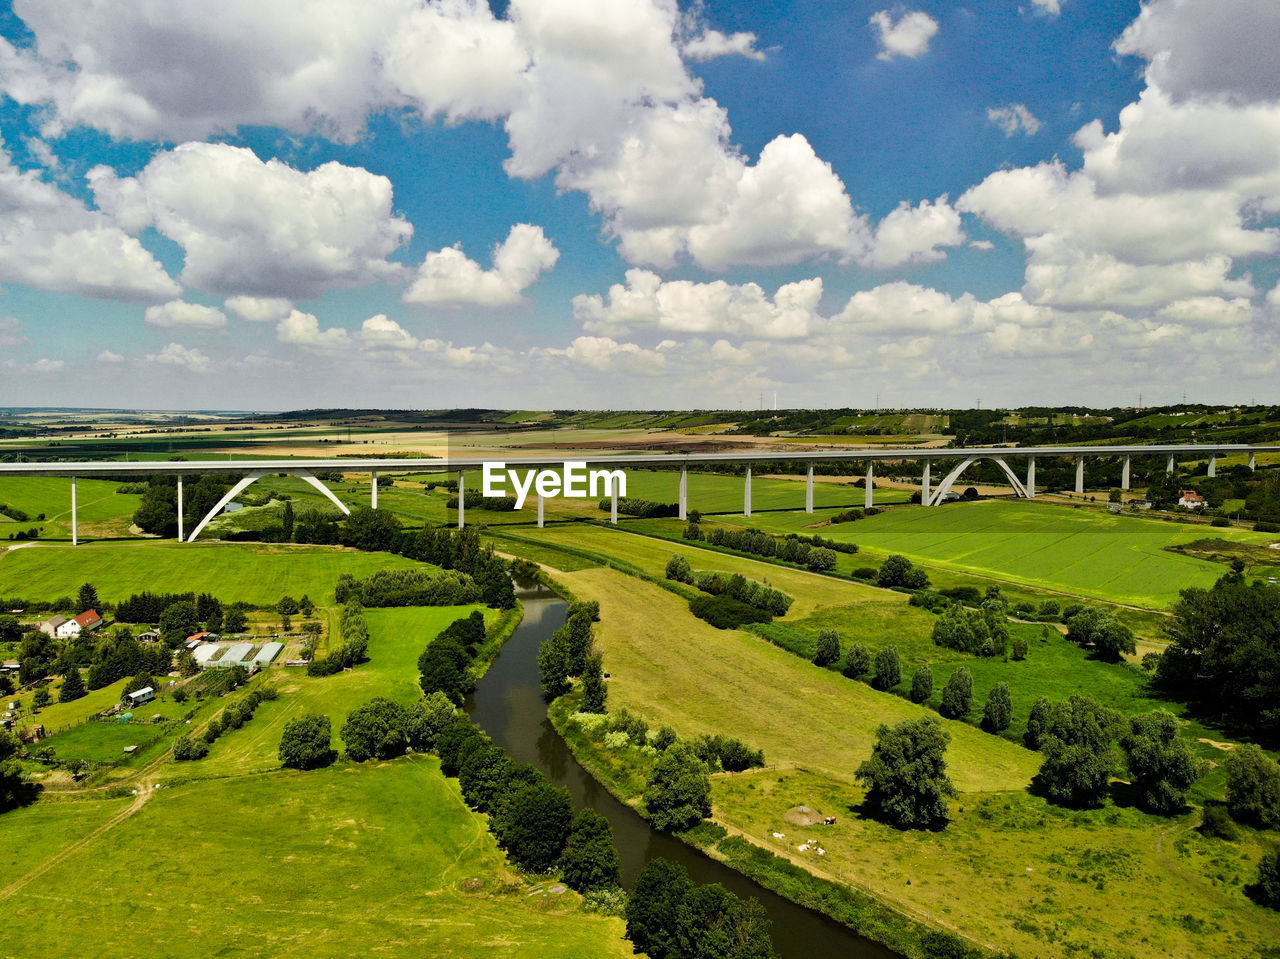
(193, 316)
(914, 234)
(1013, 118)
(906, 36)
(175, 354)
(259, 228)
(256, 309)
(448, 277)
(303, 329)
(712, 43)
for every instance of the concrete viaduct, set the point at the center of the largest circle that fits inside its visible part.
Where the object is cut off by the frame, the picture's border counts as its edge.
(956, 461)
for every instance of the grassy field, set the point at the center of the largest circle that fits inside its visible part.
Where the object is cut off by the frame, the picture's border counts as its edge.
(1056, 883)
(798, 714)
(1081, 551)
(100, 510)
(383, 857)
(257, 574)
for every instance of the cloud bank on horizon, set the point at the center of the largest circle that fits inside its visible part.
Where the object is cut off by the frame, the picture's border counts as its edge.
(637, 203)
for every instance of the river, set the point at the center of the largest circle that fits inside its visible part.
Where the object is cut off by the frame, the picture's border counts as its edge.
(508, 705)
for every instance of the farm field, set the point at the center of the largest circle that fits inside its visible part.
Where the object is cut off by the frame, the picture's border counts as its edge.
(1119, 559)
(252, 573)
(1044, 865)
(327, 862)
(799, 714)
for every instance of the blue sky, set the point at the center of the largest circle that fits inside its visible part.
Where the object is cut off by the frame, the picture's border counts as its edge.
(285, 204)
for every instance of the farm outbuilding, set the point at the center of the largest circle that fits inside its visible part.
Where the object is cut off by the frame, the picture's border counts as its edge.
(233, 655)
(204, 654)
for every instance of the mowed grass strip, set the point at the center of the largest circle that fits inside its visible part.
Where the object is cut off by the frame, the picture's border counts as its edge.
(252, 573)
(334, 862)
(674, 669)
(1120, 559)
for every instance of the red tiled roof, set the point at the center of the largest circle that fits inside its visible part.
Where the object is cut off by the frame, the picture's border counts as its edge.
(88, 617)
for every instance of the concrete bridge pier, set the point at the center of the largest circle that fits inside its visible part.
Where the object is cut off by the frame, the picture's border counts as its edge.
(373, 479)
(684, 493)
(181, 537)
(1253, 461)
(924, 484)
(1213, 465)
(462, 499)
(1124, 473)
(613, 502)
(1168, 467)
(1031, 477)
(541, 515)
(75, 535)
(868, 499)
(746, 494)
(1079, 474)
(808, 490)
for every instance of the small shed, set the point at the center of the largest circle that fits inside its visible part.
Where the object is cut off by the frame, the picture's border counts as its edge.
(140, 696)
(150, 636)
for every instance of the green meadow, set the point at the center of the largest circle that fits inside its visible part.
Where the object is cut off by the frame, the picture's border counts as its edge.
(100, 510)
(248, 572)
(1085, 552)
(380, 857)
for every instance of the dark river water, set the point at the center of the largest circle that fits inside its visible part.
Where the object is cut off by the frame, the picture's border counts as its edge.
(508, 705)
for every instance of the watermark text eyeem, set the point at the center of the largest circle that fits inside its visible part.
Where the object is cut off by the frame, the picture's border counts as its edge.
(577, 481)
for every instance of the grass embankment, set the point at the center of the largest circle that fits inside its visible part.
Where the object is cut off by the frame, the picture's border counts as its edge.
(251, 573)
(1112, 882)
(327, 861)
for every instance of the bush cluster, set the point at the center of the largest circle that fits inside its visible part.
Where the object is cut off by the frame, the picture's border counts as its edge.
(444, 665)
(408, 587)
(643, 508)
(791, 549)
(737, 586)
(354, 648)
(725, 612)
(979, 632)
(233, 717)
(570, 651)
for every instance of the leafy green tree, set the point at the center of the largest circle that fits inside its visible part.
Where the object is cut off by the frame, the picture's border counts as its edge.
(72, 687)
(482, 777)
(894, 571)
(713, 923)
(532, 825)
(442, 668)
(426, 719)
(653, 908)
(1019, 647)
(1267, 889)
(287, 606)
(921, 684)
(828, 648)
(286, 522)
(998, 712)
(234, 620)
(307, 742)
(185, 748)
(553, 665)
(375, 730)
(957, 695)
(906, 776)
(678, 795)
(15, 789)
(888, 669)
(41, 698)
(857, 662)
(1079, 758)
(88, 598)
(1037, 723)
(1253, 787)
(455, 742)
(370, 529)
(594, 690)
(1160, 764)
(179, 621)
(590, 859)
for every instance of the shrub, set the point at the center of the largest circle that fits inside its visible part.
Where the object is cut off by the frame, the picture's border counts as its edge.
(1267, 889)
(1216, 821)
(732, 755)
(864, 572)
(1037, 723)
(532, 825)
(921, 684)
(678, 795)
(957, 695)
(724, 612)
(590, 859)
(426, 719)
(858, 661)
(630, 506)
(409, 587)
(828, 648)
(888, 669)
(998, 712)
(186, 748)
(1160, 764)
(307, 742)
(1019, 647)
(678, 569)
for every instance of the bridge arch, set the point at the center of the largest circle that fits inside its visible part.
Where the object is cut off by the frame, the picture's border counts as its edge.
(945, 486)
(250, 478)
